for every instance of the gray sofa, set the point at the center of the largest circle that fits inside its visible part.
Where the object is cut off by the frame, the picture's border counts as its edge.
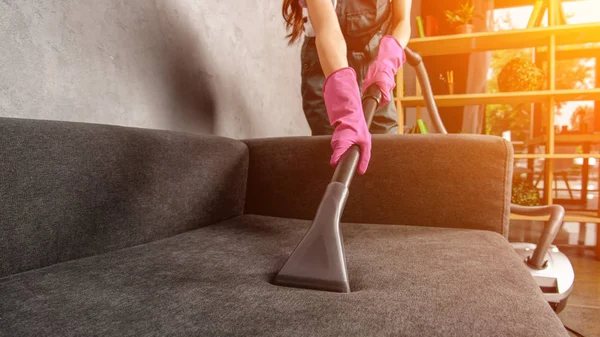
(114, 231)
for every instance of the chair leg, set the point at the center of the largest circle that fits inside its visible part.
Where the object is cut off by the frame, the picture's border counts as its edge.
(565, 178)
(581, 238)
(598, 242)
(538, 179)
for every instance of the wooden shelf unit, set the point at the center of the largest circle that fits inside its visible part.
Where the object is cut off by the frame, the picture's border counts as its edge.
(553, 42)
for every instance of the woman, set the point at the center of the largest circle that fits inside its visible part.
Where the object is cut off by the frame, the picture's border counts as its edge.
(347, 42)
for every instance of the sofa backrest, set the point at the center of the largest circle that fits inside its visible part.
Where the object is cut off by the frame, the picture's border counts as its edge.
(459, 181)
(70, 190)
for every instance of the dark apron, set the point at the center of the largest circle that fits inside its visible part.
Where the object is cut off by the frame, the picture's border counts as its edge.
(363, 23)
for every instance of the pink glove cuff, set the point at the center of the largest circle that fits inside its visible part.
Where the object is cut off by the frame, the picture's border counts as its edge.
(344, 109)
(390, 51)
(383, 70)
(343, 99)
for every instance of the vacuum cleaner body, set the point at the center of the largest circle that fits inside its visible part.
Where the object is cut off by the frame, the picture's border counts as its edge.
(556, 279)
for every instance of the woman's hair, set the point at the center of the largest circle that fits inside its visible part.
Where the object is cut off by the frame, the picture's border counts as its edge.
(294, 21)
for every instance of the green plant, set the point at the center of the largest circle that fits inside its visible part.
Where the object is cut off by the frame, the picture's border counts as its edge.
(520, 75)
(463, 15)
(505, 117)
(524, 193)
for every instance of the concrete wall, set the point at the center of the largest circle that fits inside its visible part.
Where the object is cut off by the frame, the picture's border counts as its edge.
(219, 66)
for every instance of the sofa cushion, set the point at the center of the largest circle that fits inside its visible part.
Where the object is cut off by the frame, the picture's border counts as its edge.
(215, 281)
(69, 190)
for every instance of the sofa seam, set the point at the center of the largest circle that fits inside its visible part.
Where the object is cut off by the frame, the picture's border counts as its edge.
(504, 225)
(244, 202)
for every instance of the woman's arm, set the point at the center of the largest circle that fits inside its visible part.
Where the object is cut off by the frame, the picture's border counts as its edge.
(401, 21)
(330, 42)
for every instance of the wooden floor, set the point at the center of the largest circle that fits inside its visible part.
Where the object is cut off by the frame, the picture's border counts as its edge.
(582, 313)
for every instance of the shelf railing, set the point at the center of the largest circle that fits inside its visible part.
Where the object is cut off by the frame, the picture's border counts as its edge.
(508, 39)
(505, 97)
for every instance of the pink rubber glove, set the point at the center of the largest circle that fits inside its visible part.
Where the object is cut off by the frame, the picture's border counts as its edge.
(344, 108)
(383, 70)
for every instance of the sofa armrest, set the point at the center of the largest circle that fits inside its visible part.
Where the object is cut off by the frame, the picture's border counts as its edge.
(459, 181)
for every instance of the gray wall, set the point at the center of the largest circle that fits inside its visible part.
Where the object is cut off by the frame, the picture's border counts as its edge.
(218, 66)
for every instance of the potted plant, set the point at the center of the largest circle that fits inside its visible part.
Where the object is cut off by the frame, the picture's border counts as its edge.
(462, 18)
(520, 75)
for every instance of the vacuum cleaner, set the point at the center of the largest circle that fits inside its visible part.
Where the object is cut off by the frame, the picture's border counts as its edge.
(318, 261)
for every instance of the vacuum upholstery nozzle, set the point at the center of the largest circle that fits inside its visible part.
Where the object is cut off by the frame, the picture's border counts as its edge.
(318, 262)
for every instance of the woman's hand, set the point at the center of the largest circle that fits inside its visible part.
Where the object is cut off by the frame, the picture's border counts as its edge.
(344, 108)
(341, 93)
(382, 72)
(390, 57)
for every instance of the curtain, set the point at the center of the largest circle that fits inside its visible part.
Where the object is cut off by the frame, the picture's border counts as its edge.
(479, 64)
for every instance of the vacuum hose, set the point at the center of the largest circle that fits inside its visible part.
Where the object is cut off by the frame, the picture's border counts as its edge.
(415, 60)
(538, 259)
